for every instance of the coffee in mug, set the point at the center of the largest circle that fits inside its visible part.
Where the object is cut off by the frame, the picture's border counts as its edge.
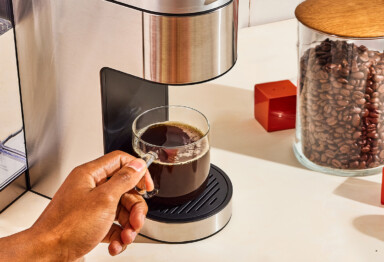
(181, 168)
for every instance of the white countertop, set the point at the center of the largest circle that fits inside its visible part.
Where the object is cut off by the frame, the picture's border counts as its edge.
(281, 210)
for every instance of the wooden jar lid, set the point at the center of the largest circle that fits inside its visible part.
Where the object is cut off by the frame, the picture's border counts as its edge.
(345, 18)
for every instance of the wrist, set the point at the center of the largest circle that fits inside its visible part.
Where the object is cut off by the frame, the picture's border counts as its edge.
(31, 245)
(45, 245)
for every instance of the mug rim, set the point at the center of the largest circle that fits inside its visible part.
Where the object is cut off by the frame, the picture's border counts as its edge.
(134, 129)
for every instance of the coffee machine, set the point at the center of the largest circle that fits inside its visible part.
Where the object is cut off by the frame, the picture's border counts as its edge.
(88, 68)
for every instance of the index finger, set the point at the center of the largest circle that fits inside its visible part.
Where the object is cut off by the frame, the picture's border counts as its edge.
(100, 169)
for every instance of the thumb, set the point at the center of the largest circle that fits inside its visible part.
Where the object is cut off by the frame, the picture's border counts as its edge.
(126, 178)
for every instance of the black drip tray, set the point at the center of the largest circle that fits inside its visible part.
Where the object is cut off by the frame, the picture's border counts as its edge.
(214, 198)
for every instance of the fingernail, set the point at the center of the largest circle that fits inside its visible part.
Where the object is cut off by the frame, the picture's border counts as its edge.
(133, 235)
(118, 249)
(138, 165)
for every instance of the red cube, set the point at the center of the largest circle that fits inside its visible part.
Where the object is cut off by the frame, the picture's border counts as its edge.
(275, 105)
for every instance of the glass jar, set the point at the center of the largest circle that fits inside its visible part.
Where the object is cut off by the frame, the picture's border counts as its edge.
(340, 109)
(340, 103)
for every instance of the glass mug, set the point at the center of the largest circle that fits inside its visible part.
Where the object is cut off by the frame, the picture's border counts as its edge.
(174, 142)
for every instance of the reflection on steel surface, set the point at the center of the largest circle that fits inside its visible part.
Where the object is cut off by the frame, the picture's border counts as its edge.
(181, 232)
(175, 6)
(63, 45)
(188, 49)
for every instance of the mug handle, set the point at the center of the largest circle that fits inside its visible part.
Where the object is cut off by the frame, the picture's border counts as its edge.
(148, 158)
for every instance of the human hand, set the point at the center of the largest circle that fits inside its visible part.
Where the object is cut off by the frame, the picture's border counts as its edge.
(94, 195)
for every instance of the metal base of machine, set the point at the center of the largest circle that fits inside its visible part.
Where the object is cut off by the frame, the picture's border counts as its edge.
(194, 220)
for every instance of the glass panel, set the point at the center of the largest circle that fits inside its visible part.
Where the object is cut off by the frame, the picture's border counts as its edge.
(12, 144)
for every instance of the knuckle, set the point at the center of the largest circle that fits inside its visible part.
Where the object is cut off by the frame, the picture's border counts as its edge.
(118, 153)
(82, 170)
(78, 170)
(125, 177)
(106, 197)
(141, 206)
(109, 199)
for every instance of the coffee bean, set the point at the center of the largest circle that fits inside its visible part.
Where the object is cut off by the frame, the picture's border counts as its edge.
(364, 157)
(381, 155)
(341, 93)
(327, 109)
(349, 87)
(371, 127)
(342, 80)
(362, 48)
(373, 135)
(374, 150)
(347, 118)
(338, 97)
(356, 135)
(356, 110)
(340, 130)
(374, 100)
(378, 78)
(343, 102)
(362, 165)
(326, 87)
(364, 57)
(366, 149)
(360, 101)
(344, 72)
(369, 160)
(354, 164)
(345, 92)
(374, 114)
(331, 121)
(358, 75)
(371, 53)
(322, 75)
(323, 158)
(336, 163)
(345, 149)
(381, 89)
(358, 95)
(373, 120)
(337, 84)
(373, 106)
(369, 90)
(330, 153)
(356, 120)
(331, 66)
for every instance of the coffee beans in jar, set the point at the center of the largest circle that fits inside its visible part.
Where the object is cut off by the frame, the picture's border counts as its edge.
(341, 104)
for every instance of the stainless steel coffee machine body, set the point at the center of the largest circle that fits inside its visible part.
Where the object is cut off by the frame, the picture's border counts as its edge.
(64, 46)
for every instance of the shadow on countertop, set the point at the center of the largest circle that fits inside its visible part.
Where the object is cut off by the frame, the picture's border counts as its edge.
(366, 192)
(230, 111)
(371, 225)
(360, 190)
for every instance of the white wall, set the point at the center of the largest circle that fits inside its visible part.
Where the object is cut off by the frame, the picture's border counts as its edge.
(257, 12)
(244, 13)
